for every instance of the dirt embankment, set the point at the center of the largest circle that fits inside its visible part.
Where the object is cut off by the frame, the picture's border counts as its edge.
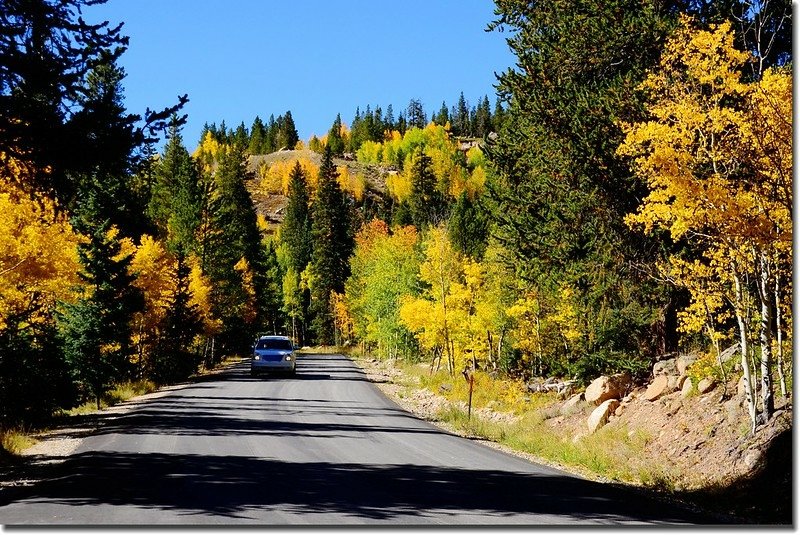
(703, 443)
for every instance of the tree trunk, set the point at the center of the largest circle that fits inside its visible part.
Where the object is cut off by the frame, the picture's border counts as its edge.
(500, 344)
(740, 319)
(765, 337)
(781, 372)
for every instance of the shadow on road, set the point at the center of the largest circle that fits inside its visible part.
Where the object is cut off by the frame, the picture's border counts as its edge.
(248, 486)
(235, 486)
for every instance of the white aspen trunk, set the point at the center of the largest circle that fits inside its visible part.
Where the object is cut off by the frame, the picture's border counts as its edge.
(765, 337)
(779, 351)
(740, 319)
(447, 346)
(500, 344)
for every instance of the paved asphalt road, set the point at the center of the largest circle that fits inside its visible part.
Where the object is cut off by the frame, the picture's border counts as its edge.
(324, 447)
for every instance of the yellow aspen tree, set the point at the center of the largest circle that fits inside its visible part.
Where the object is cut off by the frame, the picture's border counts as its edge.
(713, 184)
(200, 288)
(429, 315)
(342, 320)
(152, 266)
(38, 254)
(249, 307)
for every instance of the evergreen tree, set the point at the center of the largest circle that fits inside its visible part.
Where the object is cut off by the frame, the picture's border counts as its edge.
(401, 215)
(235, 257)
(34, 378)
(483, 118)
(426, 203)
(560, 191)
(289, 132)
(207, 233)
(389, 119)
(241, 137)
(415, 114)
(223, 136)
(359, 130)
(376, 125)
(296, 226)
(498, 117)
(175, 203)
(468, 227)
(95, 331)
(443, 117)
(402, 123)
(271, 141)
(460, 117)
(273, 318)
(257, 135)
(335, 141)
(296, 237)
(115, 150)
(174, 360)
(51, 113)
(332, 246)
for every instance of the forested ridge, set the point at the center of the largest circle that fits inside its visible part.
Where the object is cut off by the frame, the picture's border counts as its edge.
(627, 195)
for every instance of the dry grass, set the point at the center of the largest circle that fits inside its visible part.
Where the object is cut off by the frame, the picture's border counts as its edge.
(605, 454)
(117, 394)
(15, 441)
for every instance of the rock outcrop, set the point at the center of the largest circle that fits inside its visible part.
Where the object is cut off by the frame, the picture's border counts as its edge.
(572, 404)
(683, 362)
(658, 388)
(600, 415)
(607, 387)
(665, 367)
(706, 385)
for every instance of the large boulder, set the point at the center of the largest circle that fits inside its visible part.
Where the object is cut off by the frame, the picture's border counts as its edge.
(572, 405)
(706, 385)
(658, 388)
(600, 415)
(686, 388)
(665, 367)
(607, 387)
(683, 362)
(672, 382)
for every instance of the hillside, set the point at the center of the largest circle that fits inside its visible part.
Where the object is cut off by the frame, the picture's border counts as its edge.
(271, 206)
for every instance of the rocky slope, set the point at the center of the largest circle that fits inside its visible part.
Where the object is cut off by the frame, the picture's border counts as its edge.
(702, 441)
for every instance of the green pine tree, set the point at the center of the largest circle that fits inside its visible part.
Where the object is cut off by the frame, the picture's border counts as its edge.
(95, 331)
(271, 138)
(174, 360)
(335, 141)
(415, 114)
(426, 204)
(468, 227)
(176, 197)
(560, 192)
(289, 132)
(234, 236)
(296, 238)
(296, 226)
(460, 117)
(332, 241)
(257, 134)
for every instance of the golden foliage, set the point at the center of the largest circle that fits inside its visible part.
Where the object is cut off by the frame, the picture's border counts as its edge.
(38, 253)
(274, 177)
(716, 155)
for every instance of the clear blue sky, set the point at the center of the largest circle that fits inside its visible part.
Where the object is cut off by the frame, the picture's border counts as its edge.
(240, 58)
